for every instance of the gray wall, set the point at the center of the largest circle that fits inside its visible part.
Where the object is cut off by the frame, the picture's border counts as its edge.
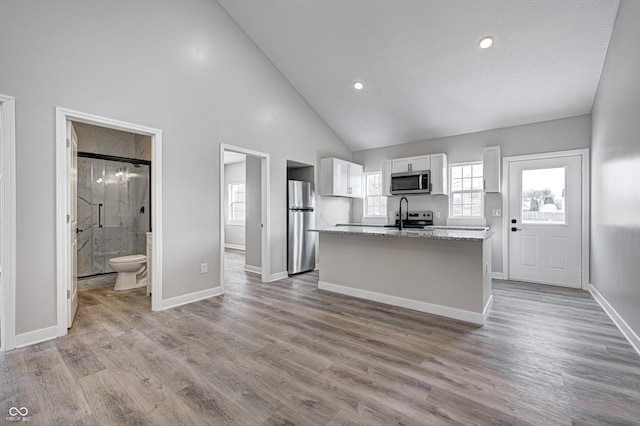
(615, 176)
(233, 233)
(253, 250)
(183, 67)
(547, 136)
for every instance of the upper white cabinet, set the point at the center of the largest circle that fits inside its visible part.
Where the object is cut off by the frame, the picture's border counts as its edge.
(386, 178)
(439, 174)
(411, 164)
(491, 168)
(340, 178)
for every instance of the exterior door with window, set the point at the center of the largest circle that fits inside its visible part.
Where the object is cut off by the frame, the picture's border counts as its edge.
(545, 223)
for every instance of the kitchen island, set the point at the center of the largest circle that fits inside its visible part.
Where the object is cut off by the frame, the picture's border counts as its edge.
(445, 272)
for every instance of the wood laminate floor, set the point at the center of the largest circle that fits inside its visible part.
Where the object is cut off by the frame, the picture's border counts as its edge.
(287, 353)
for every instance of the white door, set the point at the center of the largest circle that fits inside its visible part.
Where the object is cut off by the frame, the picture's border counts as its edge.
(545, 229)
(72, 286)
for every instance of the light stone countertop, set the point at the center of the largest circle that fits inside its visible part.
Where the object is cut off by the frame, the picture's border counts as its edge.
(429, 234)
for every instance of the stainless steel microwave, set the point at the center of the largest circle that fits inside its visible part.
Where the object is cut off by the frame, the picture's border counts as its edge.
(418, 182)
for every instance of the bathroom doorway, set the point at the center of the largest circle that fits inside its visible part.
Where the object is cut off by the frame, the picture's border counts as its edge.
(109, 177)
(244, 213)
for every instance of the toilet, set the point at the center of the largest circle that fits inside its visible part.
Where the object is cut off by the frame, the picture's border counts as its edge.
(132, 271)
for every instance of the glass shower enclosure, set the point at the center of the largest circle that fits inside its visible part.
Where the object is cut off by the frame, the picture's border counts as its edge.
(113, 210)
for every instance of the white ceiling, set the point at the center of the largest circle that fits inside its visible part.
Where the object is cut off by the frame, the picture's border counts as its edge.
(423, 72)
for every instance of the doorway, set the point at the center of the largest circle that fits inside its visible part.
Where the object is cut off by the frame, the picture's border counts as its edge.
(7, 223)
(244, 209)
(66, 185)
(546, 233)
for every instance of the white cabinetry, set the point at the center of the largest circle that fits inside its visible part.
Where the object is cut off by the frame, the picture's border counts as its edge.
(439, 174)
(411, 164)
(340, 178)
(355, 182)
(386, 178)
(491, 168)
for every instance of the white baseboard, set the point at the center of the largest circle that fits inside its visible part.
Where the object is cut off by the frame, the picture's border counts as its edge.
(36, 336)
(497, 275)
(278, 276)
(429, 308)
(191, 297)
(234, 246)
(254, 269)
(626, 331)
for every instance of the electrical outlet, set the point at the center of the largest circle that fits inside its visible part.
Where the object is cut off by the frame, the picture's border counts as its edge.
(204, 268)
(437, 215)
(321, 215)
(241, 235)
(496, 213)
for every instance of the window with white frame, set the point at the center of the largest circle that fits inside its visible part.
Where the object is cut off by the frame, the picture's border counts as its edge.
(465, 195)
(375, 204)
(236, 202)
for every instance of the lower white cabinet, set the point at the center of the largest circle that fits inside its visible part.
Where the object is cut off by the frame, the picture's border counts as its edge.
(340, 178)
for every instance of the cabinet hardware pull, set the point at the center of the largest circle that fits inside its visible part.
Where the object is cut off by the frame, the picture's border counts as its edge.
(100, 215)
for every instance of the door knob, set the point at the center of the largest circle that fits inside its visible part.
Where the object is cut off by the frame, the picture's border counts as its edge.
(78, 231)
(515, 229)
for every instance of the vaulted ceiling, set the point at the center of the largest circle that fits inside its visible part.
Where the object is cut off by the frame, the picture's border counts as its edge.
(423, 72)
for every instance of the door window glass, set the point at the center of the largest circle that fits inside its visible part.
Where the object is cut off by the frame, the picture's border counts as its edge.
(543, 196)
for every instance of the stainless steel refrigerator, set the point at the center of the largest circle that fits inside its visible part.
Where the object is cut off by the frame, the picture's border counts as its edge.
(301, 242)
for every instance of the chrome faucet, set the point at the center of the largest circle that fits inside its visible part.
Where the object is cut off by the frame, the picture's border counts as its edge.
(400, 210)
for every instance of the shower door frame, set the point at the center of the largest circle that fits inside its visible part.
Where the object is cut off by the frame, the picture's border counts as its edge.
(64, 203)
(104, 157)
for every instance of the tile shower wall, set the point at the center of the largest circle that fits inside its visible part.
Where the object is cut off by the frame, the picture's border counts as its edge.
(123, 190)
(100, 140)
(85, 217)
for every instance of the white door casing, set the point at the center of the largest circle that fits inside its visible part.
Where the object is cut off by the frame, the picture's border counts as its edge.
(7, 223)
(265, 166)
(72, 289)
(545, 232)
(63, 194)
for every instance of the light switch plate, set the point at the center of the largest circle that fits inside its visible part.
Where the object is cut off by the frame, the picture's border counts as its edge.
(204, 268)
(496, 213)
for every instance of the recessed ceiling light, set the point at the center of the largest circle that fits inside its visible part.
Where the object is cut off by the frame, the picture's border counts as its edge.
(485, 42)
(358, 86)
